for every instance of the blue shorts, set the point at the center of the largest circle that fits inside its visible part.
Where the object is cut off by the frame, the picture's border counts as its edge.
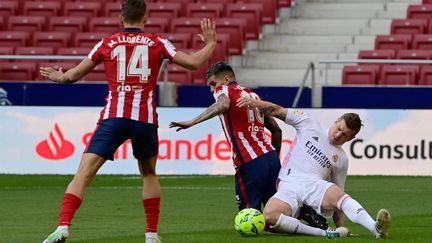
(255, 182)
(113, 132)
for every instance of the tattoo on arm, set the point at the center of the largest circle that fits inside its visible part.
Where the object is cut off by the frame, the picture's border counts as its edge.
(215, 109)
(276, 132)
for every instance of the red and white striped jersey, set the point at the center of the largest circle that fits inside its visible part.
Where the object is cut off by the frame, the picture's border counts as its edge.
(132, 61)
(243, 128)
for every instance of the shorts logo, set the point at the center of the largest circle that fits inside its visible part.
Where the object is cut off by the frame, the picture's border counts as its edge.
(56, 147)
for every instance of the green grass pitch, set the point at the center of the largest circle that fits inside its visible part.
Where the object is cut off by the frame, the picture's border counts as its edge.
(194, 209)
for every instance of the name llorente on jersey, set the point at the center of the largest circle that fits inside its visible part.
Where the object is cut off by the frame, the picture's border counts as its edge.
(132, 40)
(317, 155)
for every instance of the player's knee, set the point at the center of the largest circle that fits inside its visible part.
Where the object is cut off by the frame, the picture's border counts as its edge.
(270, 216)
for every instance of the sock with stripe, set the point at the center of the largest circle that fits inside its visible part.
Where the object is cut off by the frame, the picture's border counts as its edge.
(356, 213)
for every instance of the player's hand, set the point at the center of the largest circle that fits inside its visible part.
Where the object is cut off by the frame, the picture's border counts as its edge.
(51, 73)
(247, 102)
(180, 125)
(208, 29)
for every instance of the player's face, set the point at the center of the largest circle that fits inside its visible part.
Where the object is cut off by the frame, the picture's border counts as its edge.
(339, 133)
(214, 82)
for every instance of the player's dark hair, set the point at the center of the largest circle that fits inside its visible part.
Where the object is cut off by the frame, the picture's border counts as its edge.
(133, 11)
(352, 121)
(218, 69)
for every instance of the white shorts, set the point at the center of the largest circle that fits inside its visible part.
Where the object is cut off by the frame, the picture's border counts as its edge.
(297, 191)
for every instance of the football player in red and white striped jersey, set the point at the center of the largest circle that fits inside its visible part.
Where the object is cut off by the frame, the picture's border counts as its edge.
(256, 159)
(132, 59)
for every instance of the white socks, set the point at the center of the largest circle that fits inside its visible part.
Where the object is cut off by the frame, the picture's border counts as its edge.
(292, 225)
(356, 213)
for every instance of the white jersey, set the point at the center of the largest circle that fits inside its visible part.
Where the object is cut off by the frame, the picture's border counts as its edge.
(312, 155)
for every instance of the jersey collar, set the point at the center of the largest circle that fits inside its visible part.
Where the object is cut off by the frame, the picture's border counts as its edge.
(132, 30)
(232, 82)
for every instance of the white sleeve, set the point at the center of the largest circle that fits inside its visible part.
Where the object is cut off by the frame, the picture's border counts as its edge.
(298, 119)
(222, 90)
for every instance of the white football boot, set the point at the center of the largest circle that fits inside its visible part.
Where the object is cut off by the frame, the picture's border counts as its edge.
(61, 234)
(337, 233)
(152, 238)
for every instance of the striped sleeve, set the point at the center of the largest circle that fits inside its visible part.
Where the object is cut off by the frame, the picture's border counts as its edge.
(95, 54)
(168, 48)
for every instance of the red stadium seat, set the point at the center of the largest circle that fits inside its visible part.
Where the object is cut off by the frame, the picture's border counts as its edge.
(223, 2)
(164, 10)
(414, 54)
(251, 12)
(97, 74)
(426, 1)
(26, 23)
(399, 75)
(68, 24)
(8, 8)
(104, 24)
(419, 11)
(17, 71)
(360, 75)
(408, 26)
(377, 54)
(183, 4)
(423, 42)
(6, 50)
(34, 50)
(64, 65)
(269, 10)
(156, 25)
(85, 9)
(198, 76)
(186, 25)
(179, 74)
(425, 75)
(73, 51)
(2, 23)
(88, 39)
(51, 39)
(220, 52)
(112, 9)
(204, 10)
(235, 28)
(47, 9)
(284, 3)
(14, 38)
(179, 40)
(392, 42)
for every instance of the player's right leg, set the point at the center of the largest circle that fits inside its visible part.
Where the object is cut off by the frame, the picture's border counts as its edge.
(89, 165)
(108, 136)
(336, 198)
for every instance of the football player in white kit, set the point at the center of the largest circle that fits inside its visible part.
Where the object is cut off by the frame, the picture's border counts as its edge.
(314, 173)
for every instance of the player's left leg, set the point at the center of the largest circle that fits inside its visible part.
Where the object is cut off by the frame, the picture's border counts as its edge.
(145, 148)
(151, 195)
(89, 165)
(336, 198)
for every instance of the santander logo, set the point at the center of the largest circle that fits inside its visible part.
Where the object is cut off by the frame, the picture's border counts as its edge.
(56, 147)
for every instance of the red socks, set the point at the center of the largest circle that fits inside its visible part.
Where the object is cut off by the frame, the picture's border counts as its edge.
(69, 205)
(152, 209)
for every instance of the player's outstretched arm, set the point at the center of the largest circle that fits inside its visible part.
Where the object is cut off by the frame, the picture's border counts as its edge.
(265, 107)
(221, 105)
(71, 76)
(196, 60)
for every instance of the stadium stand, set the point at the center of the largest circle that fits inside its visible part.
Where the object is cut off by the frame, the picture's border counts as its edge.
(81, 24)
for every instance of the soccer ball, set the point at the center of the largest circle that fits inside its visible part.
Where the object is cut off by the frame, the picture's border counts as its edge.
(249, 222)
